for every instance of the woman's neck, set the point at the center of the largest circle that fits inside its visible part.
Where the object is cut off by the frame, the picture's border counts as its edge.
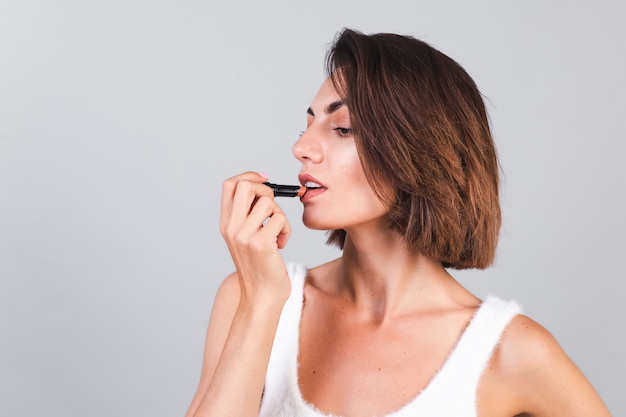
(382, 277)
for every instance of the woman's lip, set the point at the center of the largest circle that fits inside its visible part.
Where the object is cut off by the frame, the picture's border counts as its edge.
(306, 178)
(312, 193)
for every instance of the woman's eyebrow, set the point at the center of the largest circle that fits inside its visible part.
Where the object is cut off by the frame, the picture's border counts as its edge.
(332, 107)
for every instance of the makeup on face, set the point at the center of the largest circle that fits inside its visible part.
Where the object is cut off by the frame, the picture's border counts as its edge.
(281, 190)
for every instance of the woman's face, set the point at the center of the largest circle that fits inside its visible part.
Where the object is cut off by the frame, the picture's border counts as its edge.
(338, 195)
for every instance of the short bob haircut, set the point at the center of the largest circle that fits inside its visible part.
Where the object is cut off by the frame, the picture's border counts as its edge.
(421, 130)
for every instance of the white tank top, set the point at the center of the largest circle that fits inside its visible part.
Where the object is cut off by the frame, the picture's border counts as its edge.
(451, 392)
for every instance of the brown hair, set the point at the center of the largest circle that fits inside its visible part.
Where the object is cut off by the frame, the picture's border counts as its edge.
(421, 130)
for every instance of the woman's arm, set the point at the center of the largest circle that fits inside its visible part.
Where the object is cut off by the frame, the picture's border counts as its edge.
(224, 308)
(248, 304)
(237, 349)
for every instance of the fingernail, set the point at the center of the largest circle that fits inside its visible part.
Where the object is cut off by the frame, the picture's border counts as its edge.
(264, 175)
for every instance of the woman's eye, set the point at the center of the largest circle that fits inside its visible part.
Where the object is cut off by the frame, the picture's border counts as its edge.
(343, 131)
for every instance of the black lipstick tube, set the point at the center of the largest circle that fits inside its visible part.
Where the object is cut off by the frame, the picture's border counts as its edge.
(281, 190)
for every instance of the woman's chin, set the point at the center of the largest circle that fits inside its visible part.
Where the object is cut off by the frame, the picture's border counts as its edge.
(317, 224)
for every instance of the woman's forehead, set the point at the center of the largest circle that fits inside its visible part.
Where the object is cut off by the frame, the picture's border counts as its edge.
(326, 100)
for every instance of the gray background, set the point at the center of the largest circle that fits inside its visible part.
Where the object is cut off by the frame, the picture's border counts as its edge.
(120, 119)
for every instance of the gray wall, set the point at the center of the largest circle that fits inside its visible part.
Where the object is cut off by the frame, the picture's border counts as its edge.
(120, 119)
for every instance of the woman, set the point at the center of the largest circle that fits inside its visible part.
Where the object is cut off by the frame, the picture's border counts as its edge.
(399, 164)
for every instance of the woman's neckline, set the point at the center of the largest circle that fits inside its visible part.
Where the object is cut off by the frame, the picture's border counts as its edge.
(432, 381)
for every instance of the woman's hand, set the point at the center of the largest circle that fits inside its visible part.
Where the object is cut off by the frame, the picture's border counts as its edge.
(255, 228)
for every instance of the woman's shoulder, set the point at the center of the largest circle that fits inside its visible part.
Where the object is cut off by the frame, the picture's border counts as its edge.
(227, 296)
(530, 370)
(526, 345)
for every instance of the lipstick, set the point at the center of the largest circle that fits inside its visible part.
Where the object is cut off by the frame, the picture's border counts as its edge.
(281, 190)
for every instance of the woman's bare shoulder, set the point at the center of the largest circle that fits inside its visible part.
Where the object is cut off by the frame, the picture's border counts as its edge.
(225, 304)
(229, 287)
(532, 370)
(527, 345)
(529, 356)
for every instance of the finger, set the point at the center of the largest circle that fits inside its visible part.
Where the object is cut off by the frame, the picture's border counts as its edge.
(253, 230)
(230, 185)
(262, 212)
(229, 188)
(277, 228)
(246, 197)
(262, 208)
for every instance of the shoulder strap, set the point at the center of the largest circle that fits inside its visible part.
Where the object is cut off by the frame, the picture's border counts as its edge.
(285, 347)
(467, 362)
(452, 392)
(481, 337)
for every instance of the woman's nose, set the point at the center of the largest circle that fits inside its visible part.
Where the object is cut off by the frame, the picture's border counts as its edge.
(308, 147)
